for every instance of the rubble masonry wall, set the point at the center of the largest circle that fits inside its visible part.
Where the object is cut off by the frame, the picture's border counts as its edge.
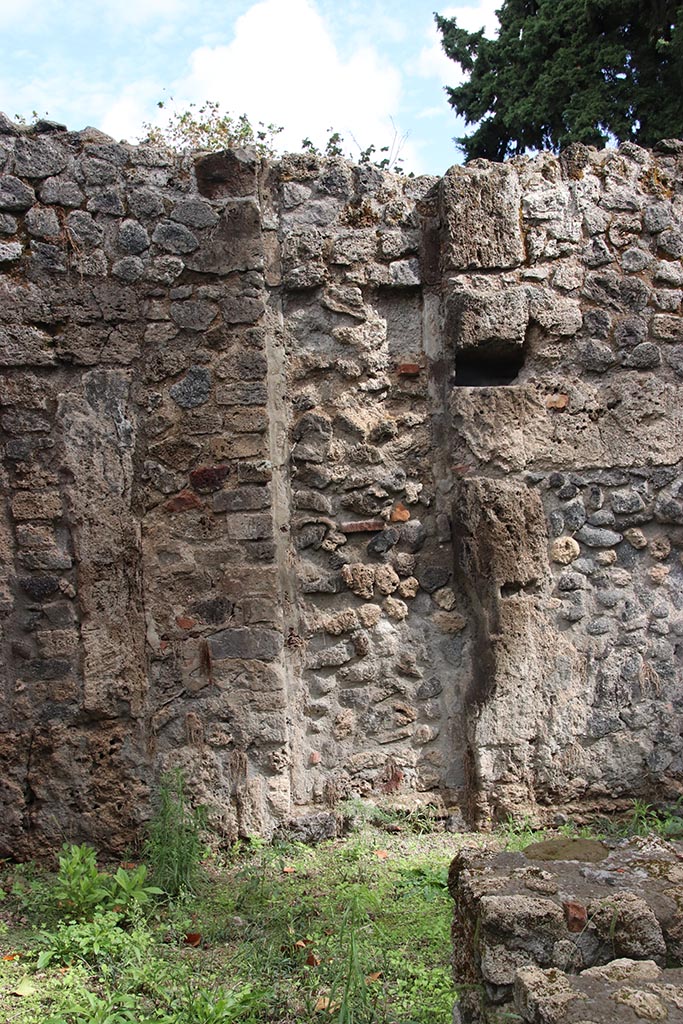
(324, 481)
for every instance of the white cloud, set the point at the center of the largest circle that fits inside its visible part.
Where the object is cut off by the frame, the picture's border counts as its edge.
(429, 113)
(432, 62)
(123, 119)
(283, 67)
(473, 16)
(27, 15)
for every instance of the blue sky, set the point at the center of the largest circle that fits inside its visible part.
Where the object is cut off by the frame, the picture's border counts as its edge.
(367, 68)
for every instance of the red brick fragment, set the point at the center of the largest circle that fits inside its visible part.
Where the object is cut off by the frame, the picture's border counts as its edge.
(182, 501)
(409, 369)
(185, 622)
(363, 526)
(206, 479)
(399, 513)
(576, 916)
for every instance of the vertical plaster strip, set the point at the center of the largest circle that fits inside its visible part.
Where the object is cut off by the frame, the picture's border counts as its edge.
(278, 429)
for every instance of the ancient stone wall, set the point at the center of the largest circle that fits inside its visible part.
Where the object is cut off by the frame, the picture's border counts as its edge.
(323, 481)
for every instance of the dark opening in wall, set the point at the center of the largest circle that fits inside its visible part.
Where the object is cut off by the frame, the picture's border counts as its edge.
(493, 365)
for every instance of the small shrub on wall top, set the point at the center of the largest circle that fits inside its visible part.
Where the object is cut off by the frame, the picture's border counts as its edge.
(206, 127)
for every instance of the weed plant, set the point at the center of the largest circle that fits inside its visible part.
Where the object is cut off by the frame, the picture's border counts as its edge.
(174, 848)
(516, 834)
(355, 931)
(81, 889)
(642, 819)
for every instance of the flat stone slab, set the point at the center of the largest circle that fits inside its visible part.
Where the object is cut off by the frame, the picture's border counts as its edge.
(627, 991)
(602, 902)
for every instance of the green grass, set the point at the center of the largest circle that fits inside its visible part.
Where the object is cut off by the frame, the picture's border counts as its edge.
(354, 931)
(642, 819)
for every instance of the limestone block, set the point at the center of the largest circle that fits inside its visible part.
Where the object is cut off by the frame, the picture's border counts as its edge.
(480, 210)
(316, 213)
(175, 238)
(60, 191)
(630, 925)
(554, 313)
(42, 223)
(132, 237)
(640, 421)
(625, 990)
(243, 300)
(228, 173)
(10, 252)
(15, 196)
(194, 213)
(395, 608)
(564, 550)
(27, 505)
(106, 200)
(360, 579)
(8, 224)
(476, 317)
(523, 920)
(255, 642)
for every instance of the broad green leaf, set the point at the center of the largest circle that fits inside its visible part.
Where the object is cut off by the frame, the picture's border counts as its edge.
(25, 987)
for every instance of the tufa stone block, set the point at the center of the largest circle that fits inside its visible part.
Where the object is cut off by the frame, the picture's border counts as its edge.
(259, 644)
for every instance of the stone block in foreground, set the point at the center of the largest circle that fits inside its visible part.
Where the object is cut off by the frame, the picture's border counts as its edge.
(526, 922)
(627, 991)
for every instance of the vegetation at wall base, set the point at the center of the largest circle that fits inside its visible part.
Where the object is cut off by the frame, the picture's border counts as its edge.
(174, 848)
(565, 71)
(354, 931)
(642, 819)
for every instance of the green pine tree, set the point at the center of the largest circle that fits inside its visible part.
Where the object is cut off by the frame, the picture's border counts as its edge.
(564, 71)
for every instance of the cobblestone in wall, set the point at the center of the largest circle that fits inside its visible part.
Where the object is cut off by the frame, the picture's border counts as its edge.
(247, 407)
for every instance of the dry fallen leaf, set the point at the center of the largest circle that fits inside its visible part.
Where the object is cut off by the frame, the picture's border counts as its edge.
(325, 1003)
(289, 871)
(312, 960)
(375, 976)
(381, 854)
(12, 956)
